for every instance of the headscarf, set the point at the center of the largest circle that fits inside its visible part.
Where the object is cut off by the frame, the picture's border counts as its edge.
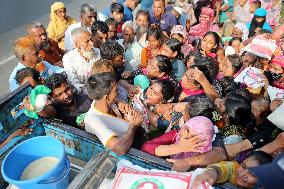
(202, 28)
(259, 13)
(279, 60)
(244, 29)
(204, 128)
(186, 48)
(60, 24)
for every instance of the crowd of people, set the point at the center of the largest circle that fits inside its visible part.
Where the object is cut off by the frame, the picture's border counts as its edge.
(199, 83)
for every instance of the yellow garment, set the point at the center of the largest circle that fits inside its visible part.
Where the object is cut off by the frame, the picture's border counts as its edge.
(58, 26)
(228, 171)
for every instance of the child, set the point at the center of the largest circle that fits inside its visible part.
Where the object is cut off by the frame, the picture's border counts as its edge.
(210, 44)
(179, 32)
(172, 49)
(237, 44)
(232, 64)
(254, 5)
(116, 12)
(220, 55)
(155, 38)
(28, 75)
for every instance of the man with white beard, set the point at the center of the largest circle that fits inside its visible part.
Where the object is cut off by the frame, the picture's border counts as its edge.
(79, 61)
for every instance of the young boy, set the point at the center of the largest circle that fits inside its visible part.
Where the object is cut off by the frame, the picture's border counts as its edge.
(117, 13)
(254, 5)
(28, 75)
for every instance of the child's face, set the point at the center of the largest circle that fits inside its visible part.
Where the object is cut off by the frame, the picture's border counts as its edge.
(178, 37)
(142, 21)
(236, 44)
(153, 42)
(208, 43)
(166, 51)
(30, 80)
(275, 68)
(117, 16)
(242, 2)
(252, 8)
(220, 55)
(237, 32)
(227, 68)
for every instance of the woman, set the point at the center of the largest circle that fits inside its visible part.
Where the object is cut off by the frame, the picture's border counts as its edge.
(205, 24)
(155, 38)
(258, 22)
(59, 22)
(240, 30)
(179, 32)
(172, 49)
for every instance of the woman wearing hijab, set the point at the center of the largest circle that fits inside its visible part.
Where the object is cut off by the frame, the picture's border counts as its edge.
(59, 22)
(205, 23)
(258, 22)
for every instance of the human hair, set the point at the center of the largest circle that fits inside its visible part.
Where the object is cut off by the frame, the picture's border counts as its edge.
(155, 30)
(168, 88)
(99, 26)
(236, 62)
(55, 80)
(117, 7)
(263, 31)
(175, 46)
(99, 85)
(143, 13)
(23, 73)
(129, 24)
(260, 156)
(164, 64)
(76, 33)
(21, 46)
(103, 65)
(33, 25)
(110, 49)
(217, 39)
(227, 84)
(195, 54)
(242, 92)
(201, 106)
(257, 4)
(87, 8)
(111, 21)
(235, 39)
(208, 66)
(238, 110)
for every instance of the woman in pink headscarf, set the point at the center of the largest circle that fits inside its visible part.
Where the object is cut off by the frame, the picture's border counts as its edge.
(199, 129)
(205, 23)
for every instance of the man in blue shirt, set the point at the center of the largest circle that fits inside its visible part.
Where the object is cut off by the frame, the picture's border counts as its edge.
(129, 6)
(28, 55)
(159, 15)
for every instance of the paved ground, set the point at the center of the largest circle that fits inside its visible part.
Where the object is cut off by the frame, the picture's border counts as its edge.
(15, 14)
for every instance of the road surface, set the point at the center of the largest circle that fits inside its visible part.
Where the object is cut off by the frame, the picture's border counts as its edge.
(15, 14)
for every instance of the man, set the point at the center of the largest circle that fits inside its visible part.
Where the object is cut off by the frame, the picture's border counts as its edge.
(112, 28)
(79, 61)
(160, 16)
(65, 104)
(49, 49)
(88, 16)
(28, 54)
(100, 33)
(128, 33)
(129, 6)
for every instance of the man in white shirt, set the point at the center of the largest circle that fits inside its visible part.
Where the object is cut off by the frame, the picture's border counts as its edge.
(113, 130)
(79, 61)
(88, 16)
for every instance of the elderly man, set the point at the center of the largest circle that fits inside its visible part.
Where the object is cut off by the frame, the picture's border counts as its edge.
(79, 61)
(28, 54)
(88, 16)
(100, 33)
(49, 49)
(160, 16)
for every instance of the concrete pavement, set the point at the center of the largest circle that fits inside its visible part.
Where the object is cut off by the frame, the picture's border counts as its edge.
(15, 14)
